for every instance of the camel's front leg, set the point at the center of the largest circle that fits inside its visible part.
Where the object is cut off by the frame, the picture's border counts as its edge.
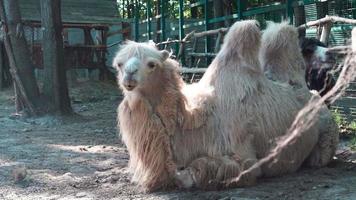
(214, 173)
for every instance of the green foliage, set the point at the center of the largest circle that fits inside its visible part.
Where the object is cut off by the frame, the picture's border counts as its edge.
(347, 130)
(126, 7)
(337, 117)
(352, 126)
(352, 129)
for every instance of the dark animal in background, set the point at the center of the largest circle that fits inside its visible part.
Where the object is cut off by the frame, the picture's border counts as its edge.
(319, 64)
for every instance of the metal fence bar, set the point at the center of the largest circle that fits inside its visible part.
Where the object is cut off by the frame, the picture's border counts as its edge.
(290, 10)
(206, 19)
(181, 28)
(136, 10)
(148, 17)
(181, 19)
(240, 9)
(163, 19)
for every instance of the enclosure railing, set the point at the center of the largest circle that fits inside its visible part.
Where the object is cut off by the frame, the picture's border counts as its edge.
(170, 24)
(162, 20)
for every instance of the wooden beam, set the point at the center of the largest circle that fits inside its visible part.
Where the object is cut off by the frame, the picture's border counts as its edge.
(327, 19)
(185, 70)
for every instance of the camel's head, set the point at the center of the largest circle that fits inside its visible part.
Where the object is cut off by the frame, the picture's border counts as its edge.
(138, 65)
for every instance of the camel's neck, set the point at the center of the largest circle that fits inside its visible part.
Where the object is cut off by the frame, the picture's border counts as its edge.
(147, 127)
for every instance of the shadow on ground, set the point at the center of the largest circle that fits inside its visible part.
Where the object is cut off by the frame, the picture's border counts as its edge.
(82, 158)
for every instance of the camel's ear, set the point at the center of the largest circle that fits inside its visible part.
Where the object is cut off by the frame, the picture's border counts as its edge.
(151, 43)
(164, 55)
(126, 41)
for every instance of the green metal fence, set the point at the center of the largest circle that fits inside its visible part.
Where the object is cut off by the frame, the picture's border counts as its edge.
(162, 20)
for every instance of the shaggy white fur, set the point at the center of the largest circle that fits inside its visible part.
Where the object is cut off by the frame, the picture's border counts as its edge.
(204, 134)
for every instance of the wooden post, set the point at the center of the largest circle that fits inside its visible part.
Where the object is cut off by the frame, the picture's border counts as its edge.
(299, 13)
(104, 73)
(325, 33)
(55, 87)
(322, 11)
(18, 102)
(22, 69)
(289, 11)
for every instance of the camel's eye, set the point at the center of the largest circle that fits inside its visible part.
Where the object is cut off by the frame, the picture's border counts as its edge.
(119, 65)
(151, 65)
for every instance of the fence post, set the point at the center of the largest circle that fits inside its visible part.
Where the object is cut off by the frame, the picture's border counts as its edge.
(148, 16)
(207, 41)
(241, 5)
(181, 20)
(290, 10)
(163, 20)
(299, 14)
(181, 29)
(354, 9)
(137, 32)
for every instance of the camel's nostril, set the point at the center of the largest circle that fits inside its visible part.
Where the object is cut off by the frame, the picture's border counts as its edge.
(130, 85)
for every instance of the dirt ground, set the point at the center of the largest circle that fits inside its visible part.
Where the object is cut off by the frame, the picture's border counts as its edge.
(81, 157)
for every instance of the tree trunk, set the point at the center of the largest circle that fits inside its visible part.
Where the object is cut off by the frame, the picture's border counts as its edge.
(55, 83)
(22, 69)
(2, 68)
(228, 12)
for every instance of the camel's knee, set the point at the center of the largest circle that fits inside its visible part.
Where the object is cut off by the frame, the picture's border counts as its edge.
(325, 149)
(213, 173)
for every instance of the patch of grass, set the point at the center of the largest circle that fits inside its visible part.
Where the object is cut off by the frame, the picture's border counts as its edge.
(337, 117)
(347, 129)
(353, 143)
(352, 127)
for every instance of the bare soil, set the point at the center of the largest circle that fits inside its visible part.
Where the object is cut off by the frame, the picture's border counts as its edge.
(81, 157)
